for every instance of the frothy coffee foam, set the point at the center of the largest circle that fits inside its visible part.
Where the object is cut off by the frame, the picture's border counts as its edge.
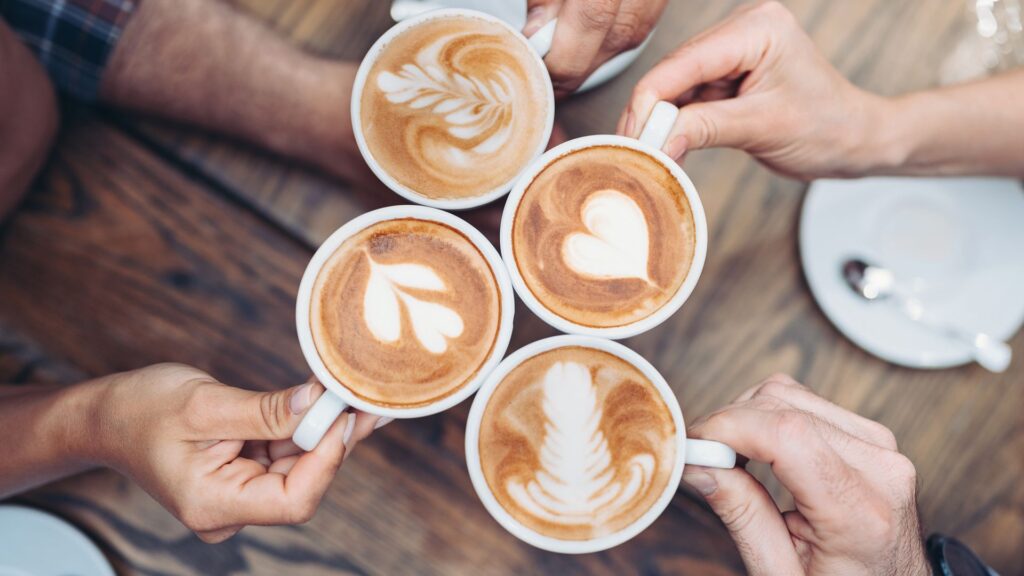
(405, 312)
(454, 107)
(576, 443)
(604, 236)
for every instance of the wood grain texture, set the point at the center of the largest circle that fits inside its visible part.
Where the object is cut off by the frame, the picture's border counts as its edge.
(116, 260)
(752, 313)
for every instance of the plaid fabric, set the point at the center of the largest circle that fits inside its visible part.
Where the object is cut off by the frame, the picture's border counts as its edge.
(72, 38)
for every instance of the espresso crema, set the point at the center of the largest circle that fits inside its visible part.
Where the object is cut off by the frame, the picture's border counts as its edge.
(454, 107)
(604, 236)
(576, 443)
(405, 312)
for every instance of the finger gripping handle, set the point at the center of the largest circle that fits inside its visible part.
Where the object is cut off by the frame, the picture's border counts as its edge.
(710, 454)
(318, 420)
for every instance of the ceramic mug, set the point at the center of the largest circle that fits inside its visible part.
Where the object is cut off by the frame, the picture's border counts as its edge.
(650, 142)
(540, 44)
(688, 451)
(337, 397)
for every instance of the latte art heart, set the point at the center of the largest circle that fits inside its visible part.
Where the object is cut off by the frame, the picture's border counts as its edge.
(603, 236)
(576, 443)
(455, 107)
(616, 242)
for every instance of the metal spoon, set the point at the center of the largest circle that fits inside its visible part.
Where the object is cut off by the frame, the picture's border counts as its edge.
(876, 283)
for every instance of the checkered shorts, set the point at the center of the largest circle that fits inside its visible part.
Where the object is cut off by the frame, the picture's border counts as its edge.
(73, 39)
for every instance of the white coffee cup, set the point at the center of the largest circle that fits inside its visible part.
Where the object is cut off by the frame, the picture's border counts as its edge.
(540, 44)
(651, 140)
(338, 398)
(688, 451)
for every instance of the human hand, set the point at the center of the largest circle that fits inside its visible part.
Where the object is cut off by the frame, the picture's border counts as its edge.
(220, 458)
(756, 82)
(589, 32)
(854, 492)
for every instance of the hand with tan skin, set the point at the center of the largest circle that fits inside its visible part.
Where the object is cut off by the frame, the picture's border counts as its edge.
(589, 33)
(756, 82)
(854, 492)
(219, 458)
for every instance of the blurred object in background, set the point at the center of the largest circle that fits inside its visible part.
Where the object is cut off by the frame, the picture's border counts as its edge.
(992, 41)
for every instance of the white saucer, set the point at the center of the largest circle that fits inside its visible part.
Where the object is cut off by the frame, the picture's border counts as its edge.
(960, 241)
(514, 13)
(34, 543)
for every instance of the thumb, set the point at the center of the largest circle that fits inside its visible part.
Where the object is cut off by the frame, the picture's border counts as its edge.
(539, 13)
(245, 415)
(721, 123)
(750, 515)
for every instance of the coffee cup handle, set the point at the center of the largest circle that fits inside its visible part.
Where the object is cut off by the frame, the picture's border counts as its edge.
(318, 420)
(709, 453)
(659, 125)
(542, 39)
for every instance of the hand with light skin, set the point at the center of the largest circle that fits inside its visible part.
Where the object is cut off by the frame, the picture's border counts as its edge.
(589, 32)
(756, 82)
(218, 458)
(854, 492)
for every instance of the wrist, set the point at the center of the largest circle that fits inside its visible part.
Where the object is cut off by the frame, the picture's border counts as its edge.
(883, 141)
(81, 422)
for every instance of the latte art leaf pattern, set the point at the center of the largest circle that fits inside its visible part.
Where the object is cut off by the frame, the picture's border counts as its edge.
(577, 483)
(432, 323)
(471, 107)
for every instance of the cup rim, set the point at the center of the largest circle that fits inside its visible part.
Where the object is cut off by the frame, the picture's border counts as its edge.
(518, 529)
(349, 229)
(646, 323)
(360, 83)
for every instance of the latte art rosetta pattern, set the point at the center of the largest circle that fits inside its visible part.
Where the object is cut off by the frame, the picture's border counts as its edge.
(577, 483)
(454, 107)
(576, 443)
(472, 108)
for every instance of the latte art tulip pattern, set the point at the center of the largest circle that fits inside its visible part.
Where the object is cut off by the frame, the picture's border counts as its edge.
(384, 298)
(454, 107)
(405, 312)
(576, 443)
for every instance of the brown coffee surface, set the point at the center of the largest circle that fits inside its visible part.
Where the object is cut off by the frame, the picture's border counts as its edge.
(454, 107)
(576, 443)
(604, 236)
(405, 312)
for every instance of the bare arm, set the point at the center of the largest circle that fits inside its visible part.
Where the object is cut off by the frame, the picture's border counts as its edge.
(201, 62)
(756, 82)
(975, 128)
(28, 118)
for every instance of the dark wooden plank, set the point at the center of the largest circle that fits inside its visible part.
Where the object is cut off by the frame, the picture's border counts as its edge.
(116, 261)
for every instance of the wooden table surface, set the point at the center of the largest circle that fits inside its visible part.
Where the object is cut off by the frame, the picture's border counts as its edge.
(144, 242)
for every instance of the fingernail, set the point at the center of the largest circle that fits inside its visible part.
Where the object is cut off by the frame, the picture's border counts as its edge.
(534, 20)
(382, 422)
(350, 425)
(676, 147)
(301, 398)
(630, 123)
(701, 481)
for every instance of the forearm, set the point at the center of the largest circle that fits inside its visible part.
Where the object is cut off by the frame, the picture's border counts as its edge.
(201, 62)
(969, 129)
(28, 118)
(48, 432)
